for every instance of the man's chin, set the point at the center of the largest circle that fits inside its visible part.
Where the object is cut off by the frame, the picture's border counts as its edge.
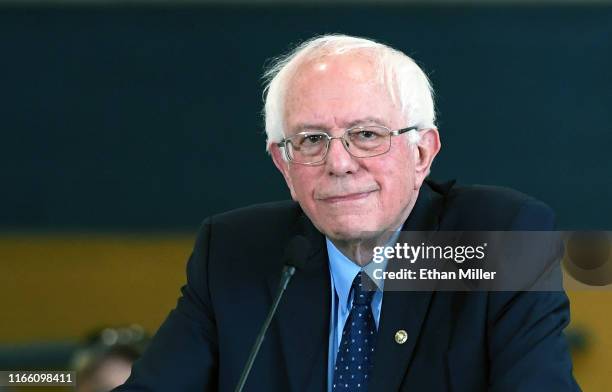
(351, 233)
(347, 226)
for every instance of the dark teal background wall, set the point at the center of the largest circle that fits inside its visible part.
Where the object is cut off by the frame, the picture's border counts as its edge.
(149, 118)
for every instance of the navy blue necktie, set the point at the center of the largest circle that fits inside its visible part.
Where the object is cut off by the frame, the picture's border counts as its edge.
(354, 361)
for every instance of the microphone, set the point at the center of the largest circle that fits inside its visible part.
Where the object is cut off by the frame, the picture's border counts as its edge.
(295, 257)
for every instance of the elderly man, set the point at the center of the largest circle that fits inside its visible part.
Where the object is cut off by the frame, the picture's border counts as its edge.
(351, 127)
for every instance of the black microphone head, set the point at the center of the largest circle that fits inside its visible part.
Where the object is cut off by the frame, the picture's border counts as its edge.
(297, 251)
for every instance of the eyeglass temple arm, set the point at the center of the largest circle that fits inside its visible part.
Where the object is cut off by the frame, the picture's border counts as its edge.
(403, 130)
(414, 137)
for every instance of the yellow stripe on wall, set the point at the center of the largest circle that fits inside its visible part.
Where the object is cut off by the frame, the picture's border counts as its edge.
(64, 286)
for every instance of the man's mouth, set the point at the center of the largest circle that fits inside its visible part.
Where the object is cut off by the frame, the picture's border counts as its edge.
(346, 197)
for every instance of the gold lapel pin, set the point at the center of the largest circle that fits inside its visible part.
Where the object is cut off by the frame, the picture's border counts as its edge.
(401, 336)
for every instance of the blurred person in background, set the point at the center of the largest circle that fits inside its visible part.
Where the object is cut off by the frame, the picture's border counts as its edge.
(106, 359)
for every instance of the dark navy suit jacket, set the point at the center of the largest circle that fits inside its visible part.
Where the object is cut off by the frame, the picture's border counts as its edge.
(457, 341)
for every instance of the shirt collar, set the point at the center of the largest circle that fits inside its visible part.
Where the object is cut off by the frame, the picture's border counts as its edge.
(343, 272)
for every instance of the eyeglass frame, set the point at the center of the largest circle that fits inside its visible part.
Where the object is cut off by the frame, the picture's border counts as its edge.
(283, 143)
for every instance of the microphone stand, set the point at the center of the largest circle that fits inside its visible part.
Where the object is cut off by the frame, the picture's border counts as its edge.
(286, 275)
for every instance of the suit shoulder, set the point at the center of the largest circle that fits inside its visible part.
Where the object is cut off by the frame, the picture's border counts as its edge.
(487, 207)
(487, 196)
(271, 213)
(248, 230)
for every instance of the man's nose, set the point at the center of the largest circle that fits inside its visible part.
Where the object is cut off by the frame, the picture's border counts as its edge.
(338, 160)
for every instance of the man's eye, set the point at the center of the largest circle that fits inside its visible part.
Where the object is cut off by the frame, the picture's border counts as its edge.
(312, 139)
(367, 135)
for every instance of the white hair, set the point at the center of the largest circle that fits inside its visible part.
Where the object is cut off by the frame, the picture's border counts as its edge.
(406, 83)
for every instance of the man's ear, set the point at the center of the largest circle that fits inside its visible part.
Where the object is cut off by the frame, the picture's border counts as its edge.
(283, 166)
(425, 152)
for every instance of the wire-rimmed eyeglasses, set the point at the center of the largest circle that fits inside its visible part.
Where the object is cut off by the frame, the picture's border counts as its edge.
(311, 147)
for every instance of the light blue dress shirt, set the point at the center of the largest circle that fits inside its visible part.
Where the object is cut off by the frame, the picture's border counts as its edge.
(343, 271)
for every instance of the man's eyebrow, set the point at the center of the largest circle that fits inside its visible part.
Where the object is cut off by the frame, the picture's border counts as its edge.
(318, 126)
(366, 120)
(302, 126)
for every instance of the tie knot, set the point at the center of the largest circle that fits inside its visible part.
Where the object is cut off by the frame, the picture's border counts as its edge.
(363, 289)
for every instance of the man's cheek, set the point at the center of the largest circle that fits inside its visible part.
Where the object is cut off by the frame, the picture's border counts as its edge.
(295, 184)
(301, 194)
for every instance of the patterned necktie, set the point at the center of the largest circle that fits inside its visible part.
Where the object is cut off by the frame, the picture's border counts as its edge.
(354, 361)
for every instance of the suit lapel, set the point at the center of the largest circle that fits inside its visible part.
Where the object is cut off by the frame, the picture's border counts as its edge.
(303, 315)
(403, 310)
